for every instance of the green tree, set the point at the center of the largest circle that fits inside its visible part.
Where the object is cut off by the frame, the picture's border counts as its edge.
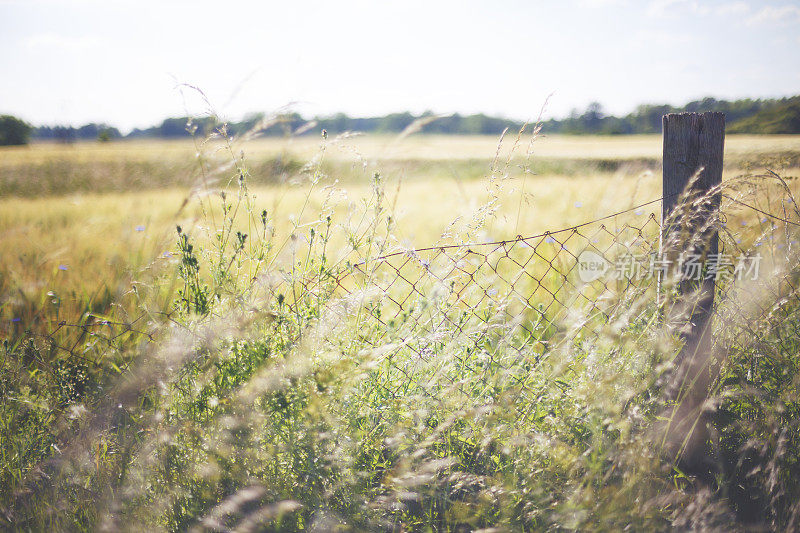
(14, 131)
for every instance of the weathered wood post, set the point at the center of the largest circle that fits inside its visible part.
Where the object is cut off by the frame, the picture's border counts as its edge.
(692, 167)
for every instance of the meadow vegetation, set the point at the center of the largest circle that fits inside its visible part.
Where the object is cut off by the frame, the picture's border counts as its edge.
(203, 336)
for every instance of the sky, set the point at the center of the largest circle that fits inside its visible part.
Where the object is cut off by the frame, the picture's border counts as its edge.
(127, 62)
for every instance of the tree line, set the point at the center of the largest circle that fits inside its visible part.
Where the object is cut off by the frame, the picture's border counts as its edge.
(776, 116)
(101, 132)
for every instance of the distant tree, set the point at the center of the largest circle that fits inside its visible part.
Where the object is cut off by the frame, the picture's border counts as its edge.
(174, 127)
(772, 116)
(186, 127)
(592, 119)
(338, 123)
(64, 134)
(14, 131)
(779, 119)
(88, 131)
(396, 122)
(247, 124)
(107, 133)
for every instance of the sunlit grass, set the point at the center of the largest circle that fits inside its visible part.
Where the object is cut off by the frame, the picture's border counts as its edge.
(269, 393)
(84, 243)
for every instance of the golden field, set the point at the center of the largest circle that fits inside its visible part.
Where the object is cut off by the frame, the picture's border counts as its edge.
(81, 223)
(387, 147)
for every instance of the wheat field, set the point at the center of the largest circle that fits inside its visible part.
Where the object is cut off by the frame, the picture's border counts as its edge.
(74, 240)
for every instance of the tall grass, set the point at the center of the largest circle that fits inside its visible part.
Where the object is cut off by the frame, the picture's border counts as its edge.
(269, 395)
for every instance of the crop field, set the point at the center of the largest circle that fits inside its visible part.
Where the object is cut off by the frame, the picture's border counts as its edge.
(80, 220)
(199, 284)
(113, 205)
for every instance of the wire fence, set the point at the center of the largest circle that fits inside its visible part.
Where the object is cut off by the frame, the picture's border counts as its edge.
(446, 310)
(495, 309)
(447, 314)
(540, 274)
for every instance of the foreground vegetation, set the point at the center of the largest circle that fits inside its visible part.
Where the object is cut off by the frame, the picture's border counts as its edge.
(222, 377)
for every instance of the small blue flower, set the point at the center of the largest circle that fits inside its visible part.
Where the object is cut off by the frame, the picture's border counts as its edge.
(140, 228)
(16, 319)
(578, 205)
(550, 240)
(638, 212)
(167, 254)
(744, 222)
(63, 267)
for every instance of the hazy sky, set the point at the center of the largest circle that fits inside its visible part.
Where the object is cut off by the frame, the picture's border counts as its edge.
(120, 61)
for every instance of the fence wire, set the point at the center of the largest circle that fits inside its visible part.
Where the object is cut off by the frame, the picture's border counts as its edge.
(495, 309)
(442, 316)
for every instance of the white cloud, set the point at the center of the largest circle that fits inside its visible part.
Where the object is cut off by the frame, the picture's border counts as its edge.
(766, 15)
(733, 8)
(659, 8)
(662, 8)
(776, 14)
(604, 3)
(663, 38)
(63, 42)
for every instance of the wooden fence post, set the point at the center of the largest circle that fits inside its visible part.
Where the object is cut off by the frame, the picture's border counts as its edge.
(693, 157)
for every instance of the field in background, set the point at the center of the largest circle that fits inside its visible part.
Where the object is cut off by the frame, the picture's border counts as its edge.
(54, 169)
(388, 147)
(83, 221)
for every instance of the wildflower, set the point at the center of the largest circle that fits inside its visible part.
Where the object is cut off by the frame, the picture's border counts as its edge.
(63, 267)
(77, 411)
(140, 228)
(578, 205)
